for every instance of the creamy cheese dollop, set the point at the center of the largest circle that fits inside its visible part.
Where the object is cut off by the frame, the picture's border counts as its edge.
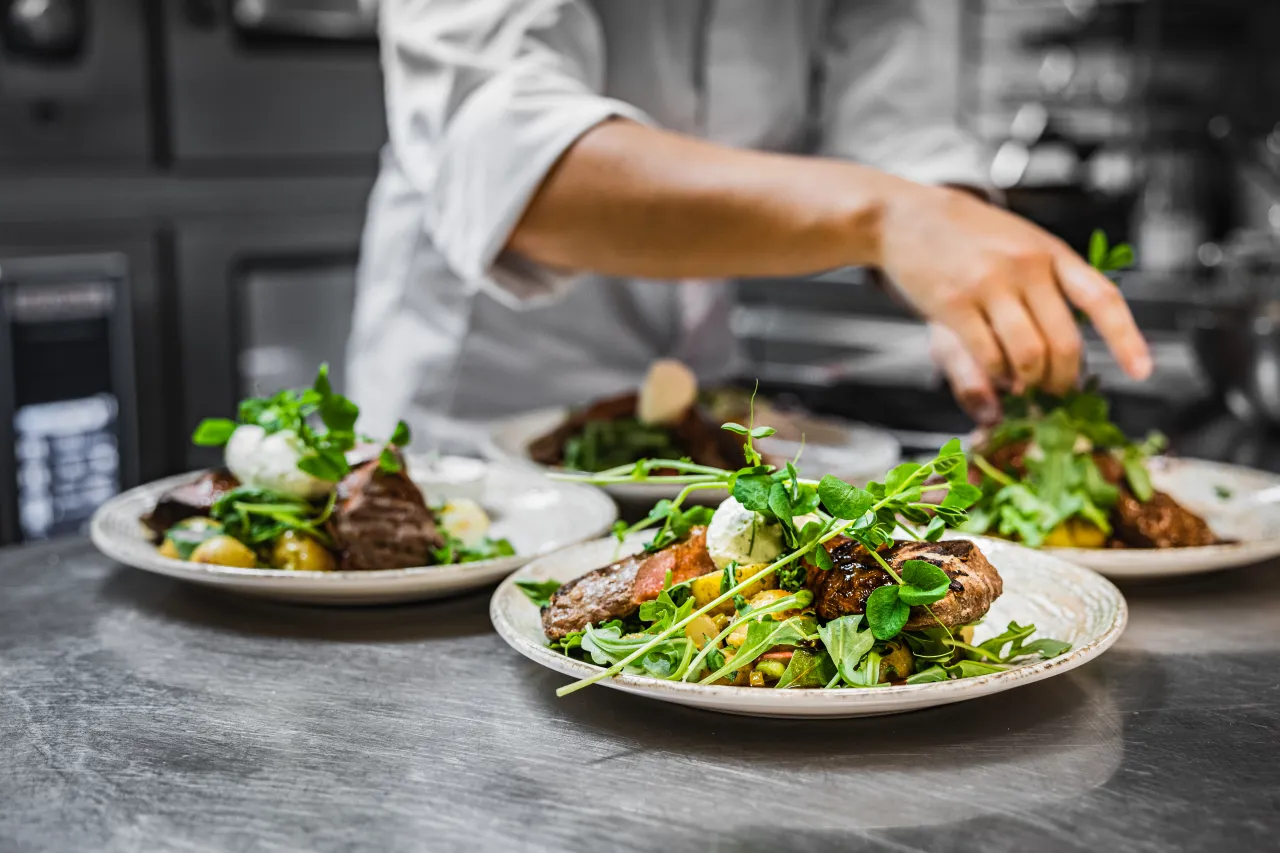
(736, 534)
(465, 520)
(270, 461)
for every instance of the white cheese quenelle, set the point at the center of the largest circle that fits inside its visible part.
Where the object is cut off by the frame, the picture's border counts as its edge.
(738, 535)
(465, 520)
(270, 461)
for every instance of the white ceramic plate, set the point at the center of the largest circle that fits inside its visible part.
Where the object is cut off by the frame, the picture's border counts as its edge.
(1064, 601)
(1228, 497)
(537, 515)
(865, 454)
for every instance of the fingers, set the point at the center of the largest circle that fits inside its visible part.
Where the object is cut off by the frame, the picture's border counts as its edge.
(1024, 346)
(1061, 335)
(974, 337)
(969, 381)
(1099, 298)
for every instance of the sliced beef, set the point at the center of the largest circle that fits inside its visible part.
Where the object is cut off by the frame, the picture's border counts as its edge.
(844, 589)
(381, 521)
(592, 598)
(1159, 523)
(189, 500)
(617, 590)
(685, 560)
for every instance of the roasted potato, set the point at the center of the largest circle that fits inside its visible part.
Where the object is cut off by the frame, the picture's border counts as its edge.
(224, 551)
(298, 552)
(185, 536)
(707, 587)
(897, 662)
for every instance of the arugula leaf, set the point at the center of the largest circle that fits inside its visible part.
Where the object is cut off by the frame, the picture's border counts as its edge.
(887, 614)
(807, 669)
(846, 645)
(213, 432)
(1046, 648)
(931, 675)
(925, 583)
(539, 592)
(843, 500)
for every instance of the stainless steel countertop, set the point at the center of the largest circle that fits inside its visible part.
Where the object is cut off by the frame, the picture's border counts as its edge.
(138, 713)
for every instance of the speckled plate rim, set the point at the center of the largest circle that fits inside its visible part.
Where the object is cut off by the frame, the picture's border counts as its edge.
(1153, 563)
(596, 514)
(817, 703)
(508, 440)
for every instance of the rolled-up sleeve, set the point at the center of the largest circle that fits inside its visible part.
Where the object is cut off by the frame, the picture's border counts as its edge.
(887, 100)
(483, 97)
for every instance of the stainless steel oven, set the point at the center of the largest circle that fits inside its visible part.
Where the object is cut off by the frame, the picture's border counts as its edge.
(272, 80)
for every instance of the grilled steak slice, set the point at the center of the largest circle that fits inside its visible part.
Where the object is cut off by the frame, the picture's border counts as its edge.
(189, 500)
(685, 560)
(1159, 523)
(595, 597)
(617, 590)
(380, 521)
(844, 589)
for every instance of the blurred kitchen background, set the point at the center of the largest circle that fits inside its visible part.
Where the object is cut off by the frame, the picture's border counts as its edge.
(182, 188)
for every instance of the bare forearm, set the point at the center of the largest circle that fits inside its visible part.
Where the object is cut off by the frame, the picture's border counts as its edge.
(631, 200)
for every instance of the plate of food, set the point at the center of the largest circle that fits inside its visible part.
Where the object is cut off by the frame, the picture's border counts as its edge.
(669, 418)
(809, 598)
(307, 510)
(1059, 475)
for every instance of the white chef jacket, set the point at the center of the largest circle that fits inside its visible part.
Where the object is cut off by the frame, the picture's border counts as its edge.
(483, 96)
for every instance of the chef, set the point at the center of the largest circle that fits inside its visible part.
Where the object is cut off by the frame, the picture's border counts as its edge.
(569, 185)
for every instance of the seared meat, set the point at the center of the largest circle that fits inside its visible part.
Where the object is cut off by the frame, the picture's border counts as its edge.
(685, 560)
(617, 590)
(380, 521)
(844, 590)
(595, 597)
(1159, 523)
(189, 499)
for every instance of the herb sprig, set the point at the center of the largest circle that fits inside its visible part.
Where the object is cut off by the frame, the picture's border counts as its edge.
(297, 411)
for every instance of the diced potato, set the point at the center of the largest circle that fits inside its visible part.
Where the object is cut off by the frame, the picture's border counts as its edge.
(966, 634)
(769, 596)
(707, 587)
(168, 549)
(756, 678)
(701, 630)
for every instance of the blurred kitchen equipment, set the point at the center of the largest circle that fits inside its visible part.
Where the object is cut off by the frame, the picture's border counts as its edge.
(272, 80)
(67, 413)
(44, 30)
(73, 84)
(262, 302)
(1236, 327)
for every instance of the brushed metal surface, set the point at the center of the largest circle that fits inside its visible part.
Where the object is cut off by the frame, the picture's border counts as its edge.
(139, 713)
